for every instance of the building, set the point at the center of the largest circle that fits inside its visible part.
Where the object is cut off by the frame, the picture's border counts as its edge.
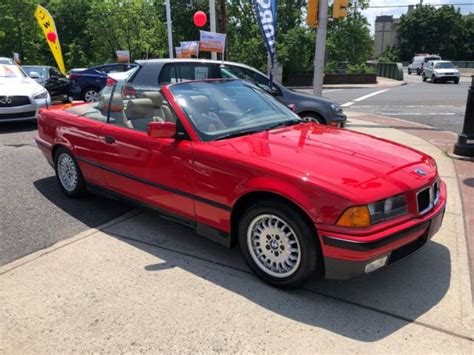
(386, 28)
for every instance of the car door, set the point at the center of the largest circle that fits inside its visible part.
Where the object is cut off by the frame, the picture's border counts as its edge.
(153, 171)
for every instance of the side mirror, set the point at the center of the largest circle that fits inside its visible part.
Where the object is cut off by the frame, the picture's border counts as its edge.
(274, 92)
(161, 129)
(34, 75)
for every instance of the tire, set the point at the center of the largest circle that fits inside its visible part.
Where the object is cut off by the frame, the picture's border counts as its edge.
(423, 77)
(409, 71)
(90, 94)
(68, 174)
(312, 117)
(418, 72)
(292, 270)
(433, 79)
(456, 81)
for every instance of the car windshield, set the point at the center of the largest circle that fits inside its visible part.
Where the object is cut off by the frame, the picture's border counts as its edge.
(222, 109)
(10, 71)
(42, 71)
(444, 65)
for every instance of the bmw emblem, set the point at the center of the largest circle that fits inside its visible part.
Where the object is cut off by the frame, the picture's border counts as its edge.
(420, 172)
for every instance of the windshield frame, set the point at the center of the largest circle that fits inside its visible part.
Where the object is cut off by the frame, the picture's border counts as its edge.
(262, 123)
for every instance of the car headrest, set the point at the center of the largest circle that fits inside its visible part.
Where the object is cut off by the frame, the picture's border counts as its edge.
(200, 103)
(138, 108)
(145, 103)
(155, 97)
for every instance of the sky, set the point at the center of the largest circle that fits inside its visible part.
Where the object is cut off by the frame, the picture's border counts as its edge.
(371, 13)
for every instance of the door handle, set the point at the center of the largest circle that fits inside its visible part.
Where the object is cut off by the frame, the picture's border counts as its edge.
(109, 139)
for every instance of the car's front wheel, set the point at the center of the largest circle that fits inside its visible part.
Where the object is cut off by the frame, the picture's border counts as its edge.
(433, 79)
(409, 71)
(423, 76)
(68, 174)
(279, 244)
(456, 81)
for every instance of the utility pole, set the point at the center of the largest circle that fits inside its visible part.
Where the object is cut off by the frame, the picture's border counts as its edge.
(170, 29)
(320, 48)
(212, 12)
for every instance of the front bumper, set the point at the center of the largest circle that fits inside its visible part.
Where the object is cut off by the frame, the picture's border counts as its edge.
(350, 258)
(336, 119)
(447, 77)
(24, 112)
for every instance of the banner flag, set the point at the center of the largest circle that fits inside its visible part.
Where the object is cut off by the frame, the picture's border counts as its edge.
(46, 23)
(212, 42)
(123, 56)
(190, 48)
(266, 16)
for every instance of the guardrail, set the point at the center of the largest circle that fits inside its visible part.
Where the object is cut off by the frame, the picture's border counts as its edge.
(390, 70)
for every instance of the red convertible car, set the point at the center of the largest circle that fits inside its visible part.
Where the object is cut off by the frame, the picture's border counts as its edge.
(228, 160)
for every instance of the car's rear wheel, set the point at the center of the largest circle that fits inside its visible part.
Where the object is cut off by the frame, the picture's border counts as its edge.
(312, 117)
(68, 174)
(279, 244)
(90, 95)
(423, 77)
(418, 72)
(409, 71)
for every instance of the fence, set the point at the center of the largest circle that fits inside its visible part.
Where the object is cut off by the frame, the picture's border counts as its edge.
(390, 70)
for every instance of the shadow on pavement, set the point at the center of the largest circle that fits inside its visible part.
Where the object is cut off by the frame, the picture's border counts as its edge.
(91, 210)
(15, 127)
(366, 309)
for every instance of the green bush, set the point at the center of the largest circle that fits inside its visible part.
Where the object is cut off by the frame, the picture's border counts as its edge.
(360, 69)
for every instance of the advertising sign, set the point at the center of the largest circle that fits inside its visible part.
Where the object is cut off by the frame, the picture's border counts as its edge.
(46, 23)
(123, 56)
(190, 48)
(212, 42)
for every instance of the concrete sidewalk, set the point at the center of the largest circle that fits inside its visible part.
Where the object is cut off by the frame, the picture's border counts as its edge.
(143, 284)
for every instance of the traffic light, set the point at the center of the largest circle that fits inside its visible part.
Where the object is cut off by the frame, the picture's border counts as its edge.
(340, 8)
(312, 16)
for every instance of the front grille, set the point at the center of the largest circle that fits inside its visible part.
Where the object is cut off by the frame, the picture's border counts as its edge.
(428, 197)
(13, 101)
(423, 199)
(17, 115)
(408, 249)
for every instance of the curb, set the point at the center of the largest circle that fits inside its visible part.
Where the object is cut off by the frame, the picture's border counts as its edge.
(355, 86)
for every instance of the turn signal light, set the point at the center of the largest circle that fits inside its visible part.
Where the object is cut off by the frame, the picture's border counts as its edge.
(358, 217)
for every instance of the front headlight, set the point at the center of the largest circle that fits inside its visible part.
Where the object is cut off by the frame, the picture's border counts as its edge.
(336, 108)
(383, 210)
(387, 209)
(41, 95)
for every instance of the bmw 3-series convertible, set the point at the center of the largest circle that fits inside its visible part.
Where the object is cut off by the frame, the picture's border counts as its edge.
(227, 159)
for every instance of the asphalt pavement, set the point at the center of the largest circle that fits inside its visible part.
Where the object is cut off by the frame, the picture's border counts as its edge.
(34, 212)
(440, 105)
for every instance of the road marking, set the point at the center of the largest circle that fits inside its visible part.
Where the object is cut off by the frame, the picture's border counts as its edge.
(417, 113)
(331, 90)
(350, 103)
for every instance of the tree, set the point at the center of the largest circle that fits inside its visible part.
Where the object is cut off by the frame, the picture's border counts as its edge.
(438, 31)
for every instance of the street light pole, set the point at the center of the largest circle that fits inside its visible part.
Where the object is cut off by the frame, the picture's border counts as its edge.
(319, 54)
(170, 29)
(212, 12)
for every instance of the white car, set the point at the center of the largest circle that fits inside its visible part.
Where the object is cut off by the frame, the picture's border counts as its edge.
(441, 70)
(20, 96)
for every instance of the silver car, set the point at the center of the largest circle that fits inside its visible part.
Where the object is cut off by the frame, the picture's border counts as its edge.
(20, 96)
(441, 70)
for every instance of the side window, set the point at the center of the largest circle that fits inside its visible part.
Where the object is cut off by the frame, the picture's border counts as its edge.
(168, 75)
(191, 71)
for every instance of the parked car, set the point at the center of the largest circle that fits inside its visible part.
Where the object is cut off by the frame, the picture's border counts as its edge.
(86, 83)
(52, 79)
(5, 60)
(20, 96)
(154, 73)
(228, 160)
(441, 70)
(419, 61)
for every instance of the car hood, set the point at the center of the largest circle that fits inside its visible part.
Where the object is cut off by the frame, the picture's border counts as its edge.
(19, 86)
(362, 167)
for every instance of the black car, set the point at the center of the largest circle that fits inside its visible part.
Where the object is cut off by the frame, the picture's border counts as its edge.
(52, 79)
(86, 83)
(154, 73)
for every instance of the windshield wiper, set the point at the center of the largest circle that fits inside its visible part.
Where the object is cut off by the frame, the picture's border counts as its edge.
(238, 134)
(285, 124)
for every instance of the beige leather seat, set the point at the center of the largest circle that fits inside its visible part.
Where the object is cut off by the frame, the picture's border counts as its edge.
(204, 119)
(160, 106)
(138, 113)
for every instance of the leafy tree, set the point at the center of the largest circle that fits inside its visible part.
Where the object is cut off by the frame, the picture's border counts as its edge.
(431, 30)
